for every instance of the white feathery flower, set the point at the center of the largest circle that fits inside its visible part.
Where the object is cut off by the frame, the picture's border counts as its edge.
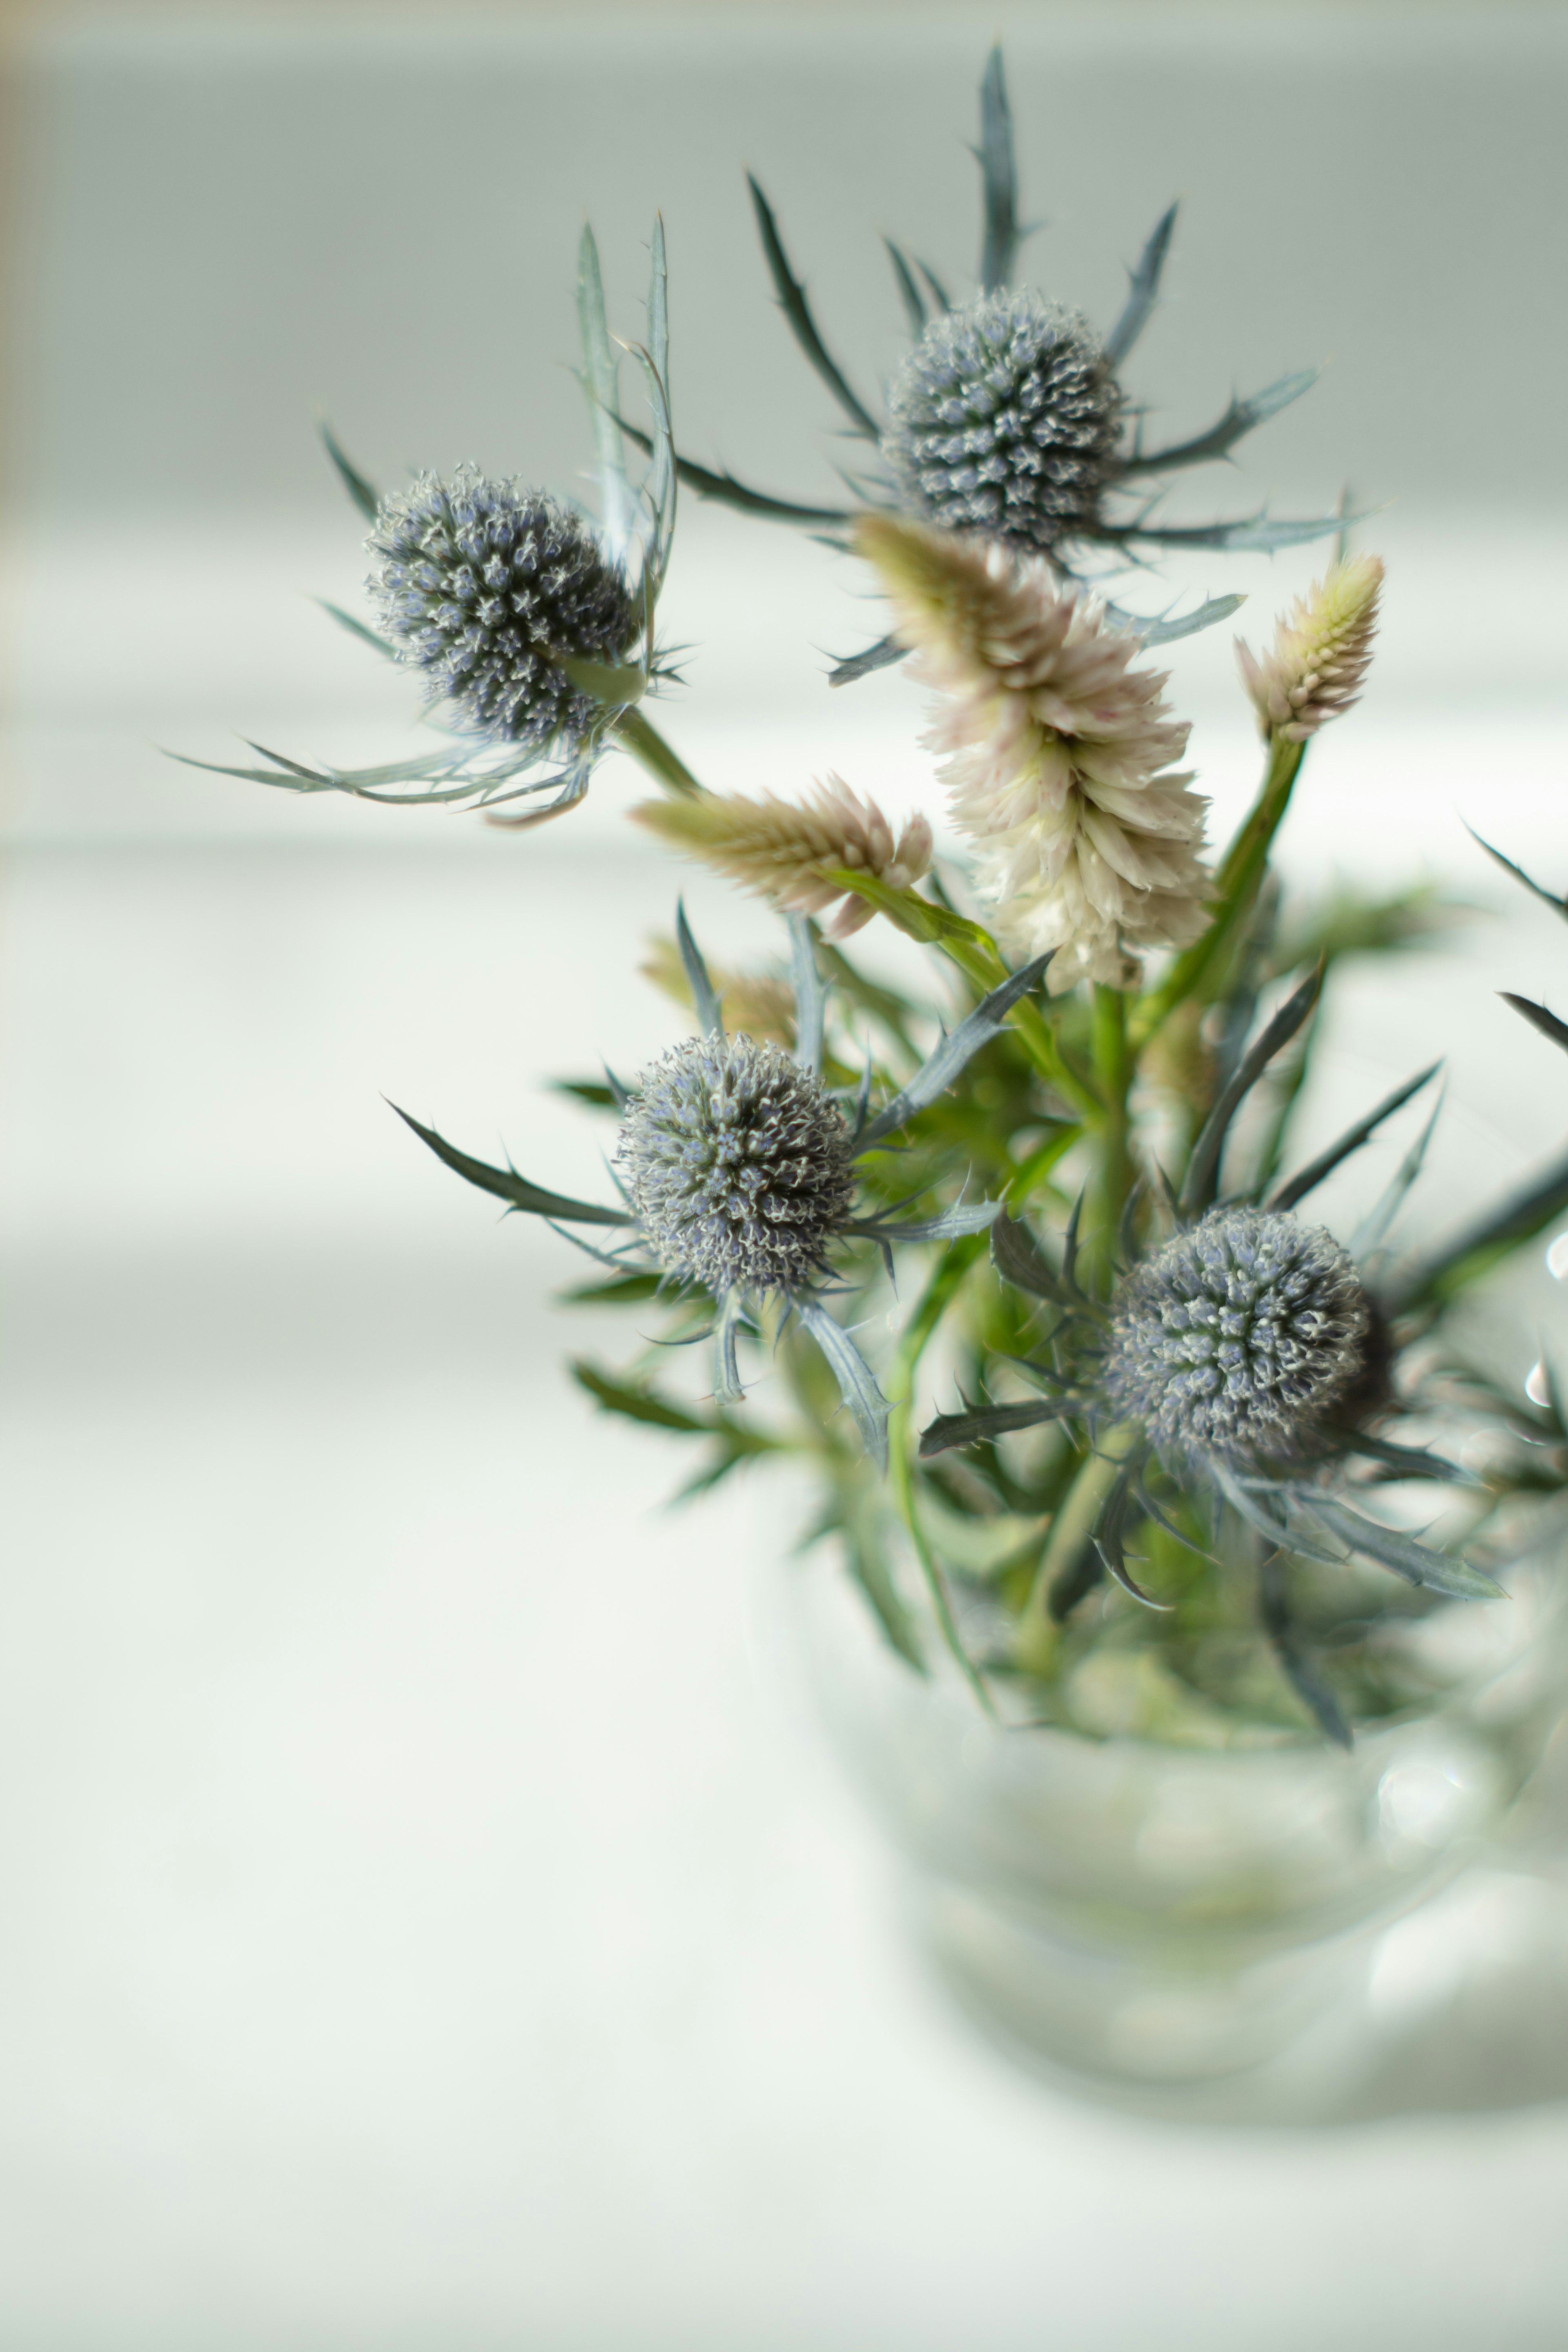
(1320, 653)
(1058, 753)
(784, 850)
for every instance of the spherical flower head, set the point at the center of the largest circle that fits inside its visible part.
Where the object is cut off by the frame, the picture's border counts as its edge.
(480, 586)
(785, 850)
(1005, 419)
(739, 1166)
(1239, 1340)
(1058, 748)
(1321, 655)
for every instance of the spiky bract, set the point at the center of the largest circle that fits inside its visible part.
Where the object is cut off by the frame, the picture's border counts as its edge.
(1239, 1339)
(1314, 670)
(737, 1163)
(783, 849)
(1003, 419)
(1058, 750)
(480, 584)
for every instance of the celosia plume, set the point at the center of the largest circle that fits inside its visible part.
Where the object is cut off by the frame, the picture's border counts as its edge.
(1058, 753)
(1320, 653)
(757, 1002)
(785, 849)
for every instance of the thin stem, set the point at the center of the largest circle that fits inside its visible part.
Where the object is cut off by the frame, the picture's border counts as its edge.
(1027, 1172)
(938, 1292)
(974, 952)
(1236, 888)
(1113, 1070)
(1072, 1530)
(638, 736)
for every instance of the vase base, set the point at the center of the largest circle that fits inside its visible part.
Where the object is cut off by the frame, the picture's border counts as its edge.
(1286, 2040)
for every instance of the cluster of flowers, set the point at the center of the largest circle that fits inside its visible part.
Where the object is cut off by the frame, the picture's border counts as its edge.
(1203, 1347)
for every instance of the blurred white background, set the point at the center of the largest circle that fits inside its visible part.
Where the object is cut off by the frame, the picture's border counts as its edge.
(428, 1917)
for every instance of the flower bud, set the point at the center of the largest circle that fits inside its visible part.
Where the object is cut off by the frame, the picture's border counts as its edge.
(1321, 655)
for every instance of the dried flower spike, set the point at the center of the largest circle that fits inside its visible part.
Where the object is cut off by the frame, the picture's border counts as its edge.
(1321, 655)
(1003, 419)
(738, 1164)
(1238, 1339)
(1058, 753)
(480, 586)
(783, 849)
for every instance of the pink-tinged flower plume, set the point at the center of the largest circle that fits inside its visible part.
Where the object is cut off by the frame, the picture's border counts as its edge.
(1058, 753)
(1321, 655)
(784, 850)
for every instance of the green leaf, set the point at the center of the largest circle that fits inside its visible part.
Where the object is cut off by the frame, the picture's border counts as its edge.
(508, 1186)
(793, 303)
(620, 1291)
(1417, 1563)
(363, 492)
(1202, 1180)
(704, 996)
(383, 645)
(910, 293)
(588, 1090)
(856, 1383)
(1143, 291)
(601, 382)
(1495, 1237)
(1000, 177)
(1351, 1140)
(1539, 1017)
(1241, 417)
(1548, 897)
(637, 1403)
(987, 1422)
(1298, 1670)
(1015, 1255)
(725, 490)
(987, 1021)
(881, 655)
(858, 1520)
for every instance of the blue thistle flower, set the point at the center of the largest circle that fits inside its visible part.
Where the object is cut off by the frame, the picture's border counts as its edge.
(1244, 1365)
(739, 1166)
(740, 1169)
(533, 631)
(1003, 419)
(1239, 1339)
(482, 585)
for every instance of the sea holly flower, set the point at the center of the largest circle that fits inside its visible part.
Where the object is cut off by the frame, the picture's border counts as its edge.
(495, 592)
(1008, 416)
(1245, 1363)
(1239, 1340)
(1058, 753)
(530, 625)
(784, 850)
(1003, 420)
(739, 1174)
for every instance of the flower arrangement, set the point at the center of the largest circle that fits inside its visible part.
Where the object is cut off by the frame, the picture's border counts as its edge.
(1184, 1429)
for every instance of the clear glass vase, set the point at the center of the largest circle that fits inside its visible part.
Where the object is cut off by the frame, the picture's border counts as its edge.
(1152, 1917)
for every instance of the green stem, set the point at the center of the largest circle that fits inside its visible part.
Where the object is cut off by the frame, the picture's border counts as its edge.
(1072, 1529)
(1027, 1172)
(1236, 887)
(638, 736)
(938, 1292)
(974, 952)
(1113, 1069)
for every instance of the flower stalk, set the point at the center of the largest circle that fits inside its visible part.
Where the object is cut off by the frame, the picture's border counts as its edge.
(636, 733)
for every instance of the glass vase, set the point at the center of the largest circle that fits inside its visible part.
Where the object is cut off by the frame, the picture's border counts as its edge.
(1151, 1918)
